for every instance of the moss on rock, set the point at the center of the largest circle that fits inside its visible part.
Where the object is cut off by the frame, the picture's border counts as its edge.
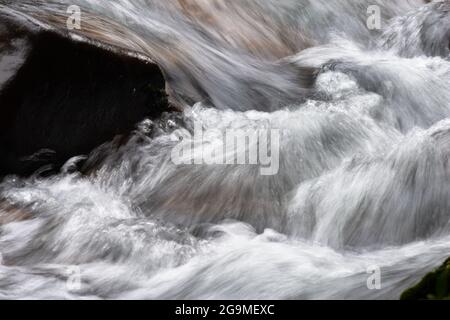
(434, 286)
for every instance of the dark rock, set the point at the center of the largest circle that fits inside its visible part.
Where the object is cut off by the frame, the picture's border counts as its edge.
(68, 97)
(434, 286)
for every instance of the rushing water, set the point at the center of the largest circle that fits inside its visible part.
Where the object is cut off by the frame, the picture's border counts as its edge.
(363, 176)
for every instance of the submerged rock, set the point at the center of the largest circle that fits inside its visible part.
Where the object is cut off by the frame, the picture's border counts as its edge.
(434, 286)
(64, 93)
(10, 213)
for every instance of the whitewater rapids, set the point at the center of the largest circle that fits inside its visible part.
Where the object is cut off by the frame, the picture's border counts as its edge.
(364, 177)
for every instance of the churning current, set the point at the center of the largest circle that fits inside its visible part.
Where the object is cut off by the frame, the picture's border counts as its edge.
(362, 184)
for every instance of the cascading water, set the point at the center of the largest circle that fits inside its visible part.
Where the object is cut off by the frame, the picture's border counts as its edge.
(363, 175)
